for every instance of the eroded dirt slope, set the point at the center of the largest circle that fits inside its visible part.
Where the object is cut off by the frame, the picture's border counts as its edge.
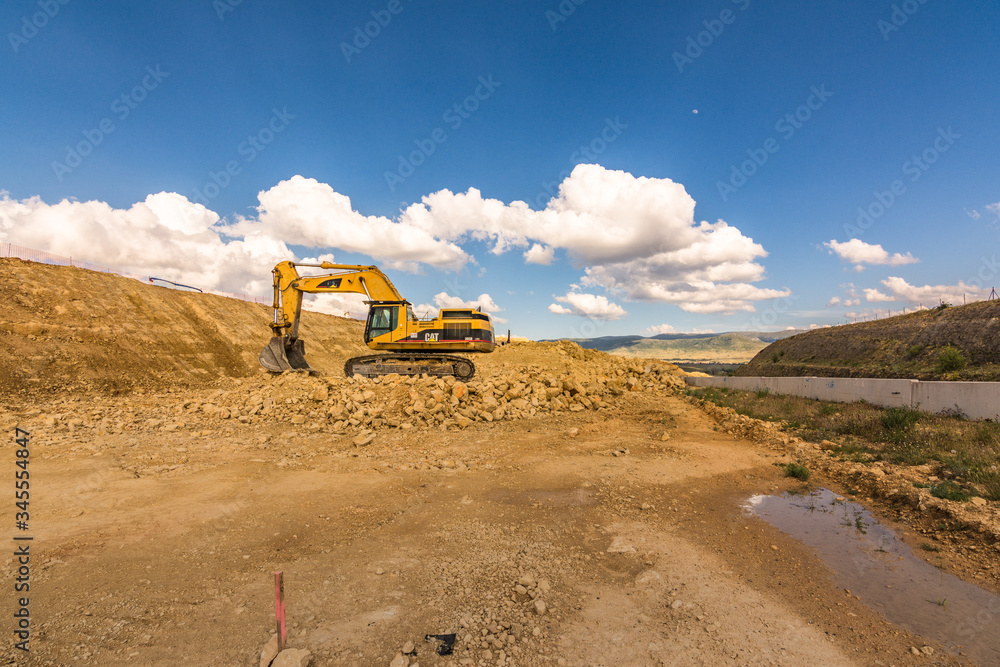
(65, 328)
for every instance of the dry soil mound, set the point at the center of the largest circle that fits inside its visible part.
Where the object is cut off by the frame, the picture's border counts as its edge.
(68, 328)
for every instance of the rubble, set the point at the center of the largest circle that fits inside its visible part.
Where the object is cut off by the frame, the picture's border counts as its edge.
(362, 407)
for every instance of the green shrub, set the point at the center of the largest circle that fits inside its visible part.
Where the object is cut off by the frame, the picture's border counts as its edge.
(797, 470)
(897, 420)
(950, 491)
(950, 359)
(914, 351)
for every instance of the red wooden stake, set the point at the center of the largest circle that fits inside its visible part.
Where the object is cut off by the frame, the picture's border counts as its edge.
(279, 608)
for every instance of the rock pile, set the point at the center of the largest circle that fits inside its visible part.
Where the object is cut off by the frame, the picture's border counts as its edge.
(576, 380)
(422, 402)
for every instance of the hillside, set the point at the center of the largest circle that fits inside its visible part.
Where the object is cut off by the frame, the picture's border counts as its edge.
(905, 346)
(731, 347)
(64, 327)
(699, 351)
(609, 343)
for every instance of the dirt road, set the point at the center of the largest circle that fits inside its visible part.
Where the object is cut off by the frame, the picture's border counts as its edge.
(638, 548)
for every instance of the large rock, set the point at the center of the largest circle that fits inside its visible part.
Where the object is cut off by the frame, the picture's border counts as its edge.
(270, 651)
(293, 657)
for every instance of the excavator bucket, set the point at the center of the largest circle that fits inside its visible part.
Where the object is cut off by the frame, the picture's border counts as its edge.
(277, 357)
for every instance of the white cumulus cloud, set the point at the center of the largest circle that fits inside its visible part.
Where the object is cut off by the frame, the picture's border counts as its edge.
(873, 295)
(712, 274)
(303, 211)
(859, 253)
(599, 216)
(445, 300)
(344, 305)
(660, 329)
(166, 236)
(539, 254)
(593, 306)
(633, 236)
(931, 295)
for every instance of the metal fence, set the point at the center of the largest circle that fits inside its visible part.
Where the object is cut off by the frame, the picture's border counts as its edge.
(32, 255)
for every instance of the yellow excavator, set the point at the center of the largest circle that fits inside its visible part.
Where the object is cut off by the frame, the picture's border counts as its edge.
(415, 346)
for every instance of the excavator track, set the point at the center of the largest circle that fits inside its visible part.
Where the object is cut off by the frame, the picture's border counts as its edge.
(411, 364)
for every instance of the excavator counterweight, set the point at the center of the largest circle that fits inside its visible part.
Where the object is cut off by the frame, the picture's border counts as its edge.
(414, 346)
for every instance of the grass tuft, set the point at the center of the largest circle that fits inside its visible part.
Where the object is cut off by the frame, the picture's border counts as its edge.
(949, 490)
(797, 470)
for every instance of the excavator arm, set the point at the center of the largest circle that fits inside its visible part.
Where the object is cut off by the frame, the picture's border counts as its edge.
(347, 278)
(286, 351)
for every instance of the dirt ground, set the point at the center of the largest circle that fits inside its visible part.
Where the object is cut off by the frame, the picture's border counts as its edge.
(430, 534)
(586, 526)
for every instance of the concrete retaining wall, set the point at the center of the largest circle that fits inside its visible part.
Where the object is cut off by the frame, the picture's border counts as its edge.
(975, 400)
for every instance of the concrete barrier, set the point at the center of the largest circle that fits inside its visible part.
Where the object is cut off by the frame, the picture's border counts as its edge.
(975, 400)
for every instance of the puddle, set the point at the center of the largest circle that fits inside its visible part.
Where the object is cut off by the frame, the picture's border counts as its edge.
(878, 567)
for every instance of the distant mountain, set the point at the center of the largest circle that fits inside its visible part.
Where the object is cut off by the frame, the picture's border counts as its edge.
(729, 347)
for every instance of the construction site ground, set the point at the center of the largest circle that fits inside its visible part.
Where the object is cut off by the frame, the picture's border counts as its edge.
(594, 516)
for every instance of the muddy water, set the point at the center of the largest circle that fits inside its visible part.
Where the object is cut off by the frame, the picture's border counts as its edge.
(878, 567)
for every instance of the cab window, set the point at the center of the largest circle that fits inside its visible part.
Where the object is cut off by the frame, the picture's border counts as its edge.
(381, 320)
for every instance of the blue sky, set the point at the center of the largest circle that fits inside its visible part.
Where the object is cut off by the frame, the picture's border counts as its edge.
(850, 148)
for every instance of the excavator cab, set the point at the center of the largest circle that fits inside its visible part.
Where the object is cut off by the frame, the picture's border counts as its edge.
(382, 319)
